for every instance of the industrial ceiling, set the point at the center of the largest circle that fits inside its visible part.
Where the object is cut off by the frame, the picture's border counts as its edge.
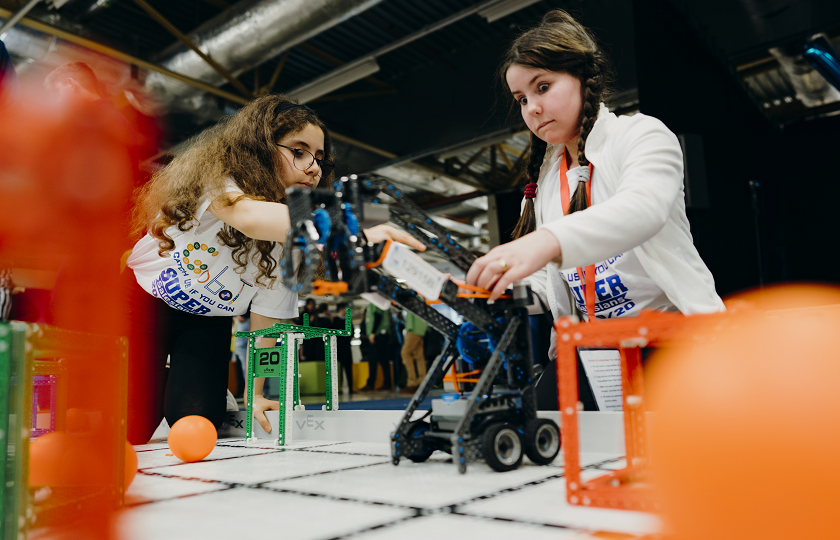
(409, 87)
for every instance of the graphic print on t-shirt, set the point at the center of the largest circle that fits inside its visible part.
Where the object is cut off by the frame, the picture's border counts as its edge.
(197, 286)
(200, 276)
(611, 295)
(167, 287)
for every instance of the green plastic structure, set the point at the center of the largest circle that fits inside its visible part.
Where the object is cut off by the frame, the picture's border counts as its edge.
(16, 360)
(282, 362)
(21, 346)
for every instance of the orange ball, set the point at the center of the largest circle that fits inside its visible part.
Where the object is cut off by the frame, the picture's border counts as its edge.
(192, 438)
(745, 434)
(45, 455)
(85, 462)
(130, 464)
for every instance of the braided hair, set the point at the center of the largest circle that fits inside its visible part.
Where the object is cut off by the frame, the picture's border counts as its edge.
(560, 44)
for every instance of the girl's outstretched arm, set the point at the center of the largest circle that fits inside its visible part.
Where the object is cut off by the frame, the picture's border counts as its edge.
(263, 220)
(260, 220)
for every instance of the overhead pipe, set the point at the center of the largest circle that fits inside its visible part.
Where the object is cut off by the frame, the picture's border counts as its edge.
(246, 35)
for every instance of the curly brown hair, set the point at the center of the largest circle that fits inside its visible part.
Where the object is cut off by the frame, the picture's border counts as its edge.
(242, 148)
(560, 44)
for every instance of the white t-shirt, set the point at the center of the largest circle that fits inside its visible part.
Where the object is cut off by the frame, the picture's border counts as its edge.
(199, 276)
(622, 287)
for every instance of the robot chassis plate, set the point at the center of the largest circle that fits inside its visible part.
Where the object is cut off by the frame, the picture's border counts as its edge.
(499, 422)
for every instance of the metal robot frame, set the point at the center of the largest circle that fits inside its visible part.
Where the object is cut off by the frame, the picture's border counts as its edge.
(498, 419)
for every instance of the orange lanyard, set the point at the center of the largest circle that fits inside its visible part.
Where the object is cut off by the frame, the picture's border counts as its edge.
(589, 271)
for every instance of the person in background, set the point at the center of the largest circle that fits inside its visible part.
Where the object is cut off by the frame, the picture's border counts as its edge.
(323, 319)
(308, 352)
(344, 352)
(6, 288)
(412, 351)
(240, 346)
(9, 86)
(8, 90)
(378, 330)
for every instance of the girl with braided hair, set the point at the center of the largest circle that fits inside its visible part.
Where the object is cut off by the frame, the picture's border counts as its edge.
(604, 200)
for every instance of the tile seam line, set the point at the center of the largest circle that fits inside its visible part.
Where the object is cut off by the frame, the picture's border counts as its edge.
(520, 521)
(385, 525)
(170, 499)
(262, 484)
(268, 451)
(532, 483)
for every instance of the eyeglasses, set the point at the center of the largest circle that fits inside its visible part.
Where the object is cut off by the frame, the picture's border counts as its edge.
(304, 160)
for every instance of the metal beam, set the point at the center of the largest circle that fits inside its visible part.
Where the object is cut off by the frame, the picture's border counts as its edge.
(505, 158)
(127, 58)
(274, 76)
(414, 36)
(327, 57)
(355, 95)
(19, 14)
(360, 144)
(163, 21)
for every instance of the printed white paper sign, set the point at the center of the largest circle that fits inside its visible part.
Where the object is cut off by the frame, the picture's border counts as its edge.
(603, 368)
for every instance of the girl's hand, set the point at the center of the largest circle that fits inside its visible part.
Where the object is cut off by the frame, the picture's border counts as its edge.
(380, 233)
(260, 406)
(513, 261)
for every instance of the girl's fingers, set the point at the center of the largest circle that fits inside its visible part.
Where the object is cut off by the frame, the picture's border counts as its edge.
(380, 233)
(504, 282)
(488, 276)
(261, 418)
(475, 271)
(407, 239)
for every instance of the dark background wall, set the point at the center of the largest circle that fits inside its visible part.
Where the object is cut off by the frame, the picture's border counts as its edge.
(682, 82)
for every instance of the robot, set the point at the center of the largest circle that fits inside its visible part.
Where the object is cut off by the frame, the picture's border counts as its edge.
(494, 418)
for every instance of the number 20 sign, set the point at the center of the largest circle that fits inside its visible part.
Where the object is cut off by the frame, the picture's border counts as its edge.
(268, 361)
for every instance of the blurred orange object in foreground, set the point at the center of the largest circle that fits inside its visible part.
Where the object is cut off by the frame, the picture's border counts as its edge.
(64, 195)
(747, 428)
(130, 464)
(192, 438)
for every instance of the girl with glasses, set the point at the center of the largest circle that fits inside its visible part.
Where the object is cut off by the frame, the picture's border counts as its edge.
(603, 230)
(213, 223)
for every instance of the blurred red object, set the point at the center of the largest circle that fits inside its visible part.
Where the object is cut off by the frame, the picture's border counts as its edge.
(64, 199)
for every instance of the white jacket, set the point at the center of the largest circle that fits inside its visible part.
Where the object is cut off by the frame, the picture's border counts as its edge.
(640, 162)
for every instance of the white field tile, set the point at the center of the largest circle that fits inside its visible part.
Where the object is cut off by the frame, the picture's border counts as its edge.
(267, 467)
(421, 485)
(146, 488)
(466, 527)
(159, 458)
(546, 504)
(251, 513)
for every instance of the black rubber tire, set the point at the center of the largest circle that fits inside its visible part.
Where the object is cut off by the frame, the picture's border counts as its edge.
(416, 431)
(501, 447)
(542, 440)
